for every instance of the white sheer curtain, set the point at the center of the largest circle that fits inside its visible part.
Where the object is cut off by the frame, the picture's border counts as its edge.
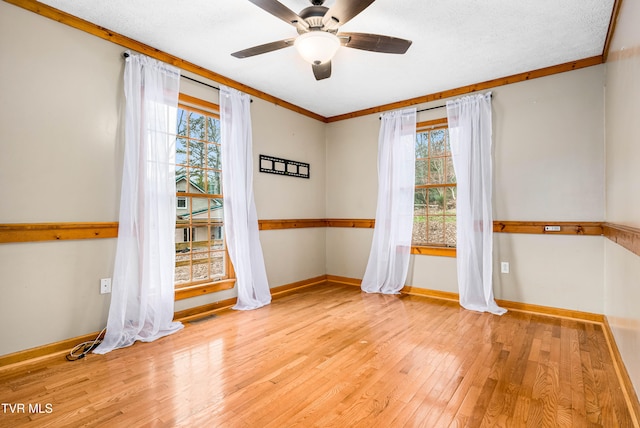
(470, 135)
(241, 220)
(142, 299)
(391, 248)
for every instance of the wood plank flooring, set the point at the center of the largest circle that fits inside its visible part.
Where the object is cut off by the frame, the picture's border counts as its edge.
(331, 356)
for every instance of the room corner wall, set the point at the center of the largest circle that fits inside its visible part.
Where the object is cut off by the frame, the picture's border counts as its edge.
(548, 166)
(622, 144)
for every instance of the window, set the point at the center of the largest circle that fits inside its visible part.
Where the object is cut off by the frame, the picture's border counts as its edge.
(434, 218)
(201, 256)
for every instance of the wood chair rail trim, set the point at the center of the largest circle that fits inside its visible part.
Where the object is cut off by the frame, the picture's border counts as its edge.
(32, 232)
(625, 236)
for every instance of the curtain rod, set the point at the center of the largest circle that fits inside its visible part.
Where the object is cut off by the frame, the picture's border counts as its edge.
(433, 108)
(430, 108)
(424, 109)
(126, 55)
(202, 83)
(444, 105)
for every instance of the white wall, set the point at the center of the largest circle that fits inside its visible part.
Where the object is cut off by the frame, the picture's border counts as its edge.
(548, 165)
(294, 254)
(622, 268)
(61, 161)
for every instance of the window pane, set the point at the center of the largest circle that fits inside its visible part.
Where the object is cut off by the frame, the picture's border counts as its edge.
(199, 210)
(197, 154)
(420, 216)
(450, 201)
(196, 180)
(438, 143)
(181, 182)
(436, 200)
(183, 239)
(420, 230)
(422, 145)
(436, 171)
(196, 126)
(450, 231)
(201, 269)
(181, 172)
(420, 202)
(213, 183)
(436, 230)
(447, 146)
(200, 250)
(182, 122)
(217, 236)
(213, 129)
(214, 157)
(422, 172)
(217, 265)
(182, 275)
(216, 211)
(201, 236)
(181, 151)
(450, 171)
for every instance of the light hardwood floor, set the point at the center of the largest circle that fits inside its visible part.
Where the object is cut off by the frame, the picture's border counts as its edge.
(331, 356)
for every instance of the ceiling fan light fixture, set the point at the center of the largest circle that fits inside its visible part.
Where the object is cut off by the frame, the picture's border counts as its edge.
(317, 47)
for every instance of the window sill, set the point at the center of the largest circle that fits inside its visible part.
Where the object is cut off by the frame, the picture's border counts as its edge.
(200, 290)
(434, 251)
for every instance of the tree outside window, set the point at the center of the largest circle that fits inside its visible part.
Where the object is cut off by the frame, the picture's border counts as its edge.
(434, 221)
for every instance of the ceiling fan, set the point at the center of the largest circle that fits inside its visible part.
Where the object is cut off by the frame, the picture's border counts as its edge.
(318, 38)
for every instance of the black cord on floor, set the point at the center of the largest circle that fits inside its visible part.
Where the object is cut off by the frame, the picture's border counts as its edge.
(80, 351)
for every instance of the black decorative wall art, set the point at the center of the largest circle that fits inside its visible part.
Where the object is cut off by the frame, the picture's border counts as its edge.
(280, 166)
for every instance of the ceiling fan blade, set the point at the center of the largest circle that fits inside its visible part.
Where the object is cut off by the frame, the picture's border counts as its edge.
(343, 11)
(374, 42)
(322, 71)
(281, 11)
(267, 47)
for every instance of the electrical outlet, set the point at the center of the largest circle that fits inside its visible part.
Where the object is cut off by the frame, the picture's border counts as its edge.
(105, 286)
(504, 267)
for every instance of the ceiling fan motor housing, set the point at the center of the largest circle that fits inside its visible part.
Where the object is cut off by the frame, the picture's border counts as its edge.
(313, 16)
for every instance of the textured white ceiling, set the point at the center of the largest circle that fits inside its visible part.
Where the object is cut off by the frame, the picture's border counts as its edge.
(455, 43)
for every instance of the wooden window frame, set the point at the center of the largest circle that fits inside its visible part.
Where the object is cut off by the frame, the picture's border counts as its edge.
(200, 287)
(431, 249)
